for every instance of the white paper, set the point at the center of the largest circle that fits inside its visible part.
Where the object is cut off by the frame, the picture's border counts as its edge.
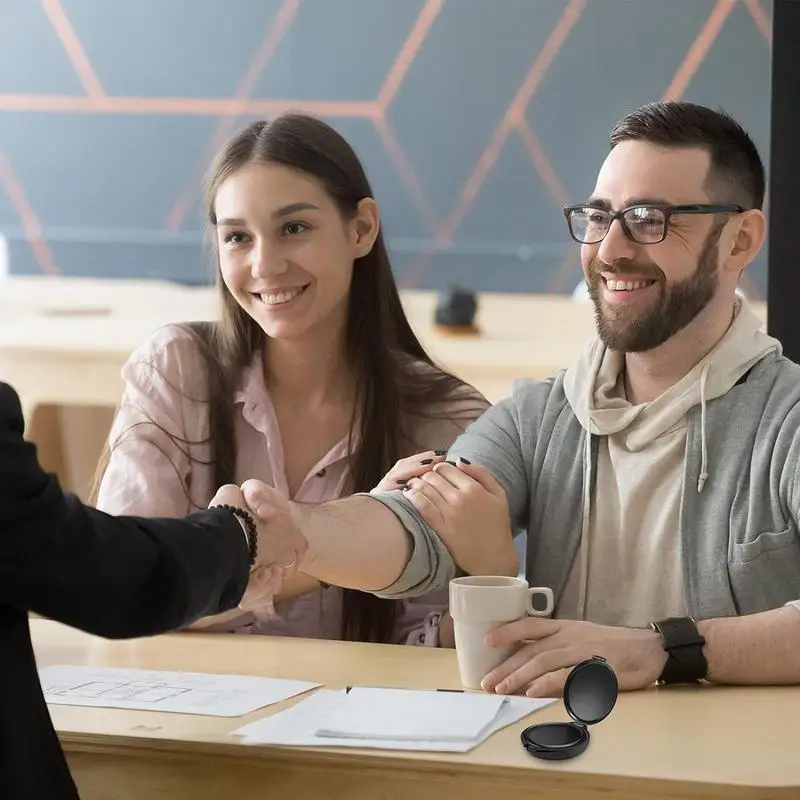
(155, 690)
(297, 726)
(370, 713)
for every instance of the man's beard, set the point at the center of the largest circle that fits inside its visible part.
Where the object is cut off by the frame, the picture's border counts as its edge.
(678, 305)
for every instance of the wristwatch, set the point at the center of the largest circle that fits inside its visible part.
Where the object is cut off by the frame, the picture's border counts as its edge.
(686, 662)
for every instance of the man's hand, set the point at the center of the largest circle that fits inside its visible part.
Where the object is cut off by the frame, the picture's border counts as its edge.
(278, 552)
(551, 648)
(280, 542)
(467, 507)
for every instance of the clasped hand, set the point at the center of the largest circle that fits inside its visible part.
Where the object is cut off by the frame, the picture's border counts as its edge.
(281, 546)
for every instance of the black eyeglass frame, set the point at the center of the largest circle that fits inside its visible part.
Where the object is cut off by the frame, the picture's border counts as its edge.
(667, 210)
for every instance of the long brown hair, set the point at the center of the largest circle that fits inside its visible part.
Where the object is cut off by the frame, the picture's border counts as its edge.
(391, 390)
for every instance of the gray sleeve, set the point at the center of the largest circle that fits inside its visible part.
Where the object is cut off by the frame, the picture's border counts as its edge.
(493, 441)
(431, 566)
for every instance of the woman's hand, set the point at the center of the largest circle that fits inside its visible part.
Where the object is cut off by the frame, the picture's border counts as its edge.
(407, 468)
(467, 507)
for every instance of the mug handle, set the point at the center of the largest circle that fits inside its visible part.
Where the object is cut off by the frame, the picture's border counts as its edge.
(540, 612)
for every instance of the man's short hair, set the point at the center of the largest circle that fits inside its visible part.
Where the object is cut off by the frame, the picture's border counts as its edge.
(736, 174)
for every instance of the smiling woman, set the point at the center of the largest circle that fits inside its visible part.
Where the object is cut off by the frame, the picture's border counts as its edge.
(311, 381)
(289, 265)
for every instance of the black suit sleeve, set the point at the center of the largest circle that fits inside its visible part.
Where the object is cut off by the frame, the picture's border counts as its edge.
(116, 577)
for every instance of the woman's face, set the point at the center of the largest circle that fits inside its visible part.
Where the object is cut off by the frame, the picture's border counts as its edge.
(285, 252)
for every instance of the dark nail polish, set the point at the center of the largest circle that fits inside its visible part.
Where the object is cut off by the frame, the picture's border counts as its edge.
(427, 461)
(440, 452)
(464, 460)
(451, 462)
(401, 482)
(406, 488)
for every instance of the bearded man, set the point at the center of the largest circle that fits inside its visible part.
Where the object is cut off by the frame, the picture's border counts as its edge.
(656, 479)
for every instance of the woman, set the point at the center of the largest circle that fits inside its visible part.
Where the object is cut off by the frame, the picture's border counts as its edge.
(311, 381)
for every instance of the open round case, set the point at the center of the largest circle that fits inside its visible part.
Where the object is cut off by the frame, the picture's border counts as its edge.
(590, 693)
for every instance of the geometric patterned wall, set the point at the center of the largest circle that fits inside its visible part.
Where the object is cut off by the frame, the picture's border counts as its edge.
(476, 119)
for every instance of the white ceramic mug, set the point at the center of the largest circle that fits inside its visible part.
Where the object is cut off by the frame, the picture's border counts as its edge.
(480, 603)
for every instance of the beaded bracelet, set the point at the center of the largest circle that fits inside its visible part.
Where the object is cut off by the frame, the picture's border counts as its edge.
(252, 536)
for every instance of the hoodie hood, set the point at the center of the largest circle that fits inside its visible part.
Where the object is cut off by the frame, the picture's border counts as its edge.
(593, 385)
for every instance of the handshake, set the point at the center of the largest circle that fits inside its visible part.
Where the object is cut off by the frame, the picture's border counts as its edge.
(281, 547)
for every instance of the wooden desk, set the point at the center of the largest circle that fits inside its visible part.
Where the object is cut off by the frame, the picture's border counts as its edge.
(678, 743)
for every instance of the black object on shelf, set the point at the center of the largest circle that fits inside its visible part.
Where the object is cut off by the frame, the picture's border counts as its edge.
(590, 694)
(456, 308)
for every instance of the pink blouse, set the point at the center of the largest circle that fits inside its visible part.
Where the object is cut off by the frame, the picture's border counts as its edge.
(151, 474)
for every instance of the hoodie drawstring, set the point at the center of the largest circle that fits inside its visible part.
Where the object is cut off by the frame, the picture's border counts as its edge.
(587, 504)
(701, 481)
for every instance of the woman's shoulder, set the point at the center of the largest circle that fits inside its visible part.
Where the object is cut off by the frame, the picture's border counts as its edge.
(172, 353)
(442, 406)
(447, 390)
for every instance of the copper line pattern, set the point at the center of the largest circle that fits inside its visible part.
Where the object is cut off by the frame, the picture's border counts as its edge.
(226, 125)
(554, 184)
(569, 261)
(189, 106)
(514, 115)
(97, 102)
(407, 174)
(72, 47)
(542, 164)
(760, 18)
(699, 50)
(30, 222)
(394, 79)
(408, 52)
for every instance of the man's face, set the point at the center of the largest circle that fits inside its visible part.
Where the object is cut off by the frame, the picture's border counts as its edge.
(644, 294)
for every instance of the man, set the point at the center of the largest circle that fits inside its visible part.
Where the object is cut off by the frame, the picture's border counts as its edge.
(114, 577)
(656, 478)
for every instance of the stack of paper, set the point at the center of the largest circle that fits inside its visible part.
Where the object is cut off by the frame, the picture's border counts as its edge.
(154, 690)
(391, 719)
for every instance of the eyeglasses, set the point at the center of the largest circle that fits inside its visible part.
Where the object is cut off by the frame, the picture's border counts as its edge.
(643, 224)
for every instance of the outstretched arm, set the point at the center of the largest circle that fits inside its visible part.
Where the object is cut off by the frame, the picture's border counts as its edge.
(381, 543)
(112, 576)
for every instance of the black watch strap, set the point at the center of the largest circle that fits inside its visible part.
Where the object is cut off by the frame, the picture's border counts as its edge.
(686, 662)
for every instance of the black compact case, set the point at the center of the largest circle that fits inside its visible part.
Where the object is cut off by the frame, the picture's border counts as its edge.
(590, 694)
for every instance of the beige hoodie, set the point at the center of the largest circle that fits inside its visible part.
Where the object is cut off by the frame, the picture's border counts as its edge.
(629, 571)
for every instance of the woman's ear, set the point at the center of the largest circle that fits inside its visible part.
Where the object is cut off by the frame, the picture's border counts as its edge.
(366, 226)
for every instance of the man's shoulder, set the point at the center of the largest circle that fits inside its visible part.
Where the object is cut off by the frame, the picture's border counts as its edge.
(784, 369)
(766, 403)
(531, 394)
(535, 408)
(777, 377)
